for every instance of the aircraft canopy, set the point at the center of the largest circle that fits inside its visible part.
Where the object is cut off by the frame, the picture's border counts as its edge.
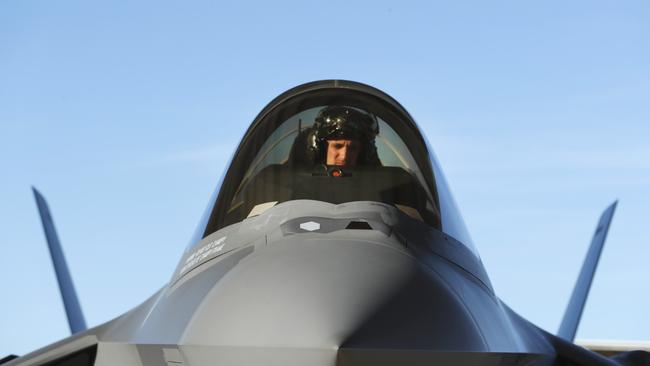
(335, 142)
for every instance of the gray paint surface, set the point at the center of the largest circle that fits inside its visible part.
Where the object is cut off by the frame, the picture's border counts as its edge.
(267, 291)
(73, 311)
(571, 319)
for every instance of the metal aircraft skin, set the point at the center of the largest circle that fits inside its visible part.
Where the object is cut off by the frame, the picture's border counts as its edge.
(298, 261)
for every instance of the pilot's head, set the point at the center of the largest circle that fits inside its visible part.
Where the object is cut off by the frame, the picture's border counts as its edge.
(345, 136)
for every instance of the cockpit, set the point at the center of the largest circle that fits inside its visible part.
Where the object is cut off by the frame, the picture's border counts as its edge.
(330, 153)
(334, 142)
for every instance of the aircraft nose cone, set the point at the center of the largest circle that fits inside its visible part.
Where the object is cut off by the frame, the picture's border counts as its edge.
(310, 293)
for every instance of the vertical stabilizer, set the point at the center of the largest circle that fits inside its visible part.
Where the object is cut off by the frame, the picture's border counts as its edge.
(69, 295)
(572, 315)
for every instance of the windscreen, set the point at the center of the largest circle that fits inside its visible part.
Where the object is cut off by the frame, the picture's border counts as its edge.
(315, 155)
(332, 152)
(337, 142)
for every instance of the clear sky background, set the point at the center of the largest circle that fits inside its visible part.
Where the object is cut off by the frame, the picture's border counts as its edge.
(124, 113)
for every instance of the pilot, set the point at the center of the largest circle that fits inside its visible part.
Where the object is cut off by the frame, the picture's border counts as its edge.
(343, 136)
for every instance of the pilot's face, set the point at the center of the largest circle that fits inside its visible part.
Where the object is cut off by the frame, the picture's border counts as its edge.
(343, 152)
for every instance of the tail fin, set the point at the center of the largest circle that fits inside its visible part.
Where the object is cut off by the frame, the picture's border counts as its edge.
(572, 315)
(70, 301)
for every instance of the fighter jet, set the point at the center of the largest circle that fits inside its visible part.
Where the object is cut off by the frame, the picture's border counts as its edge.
(332, 239)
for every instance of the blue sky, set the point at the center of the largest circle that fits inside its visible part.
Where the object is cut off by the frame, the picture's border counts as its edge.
(125, 113)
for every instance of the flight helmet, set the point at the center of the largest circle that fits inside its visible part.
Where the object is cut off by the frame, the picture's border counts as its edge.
(342, 122)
